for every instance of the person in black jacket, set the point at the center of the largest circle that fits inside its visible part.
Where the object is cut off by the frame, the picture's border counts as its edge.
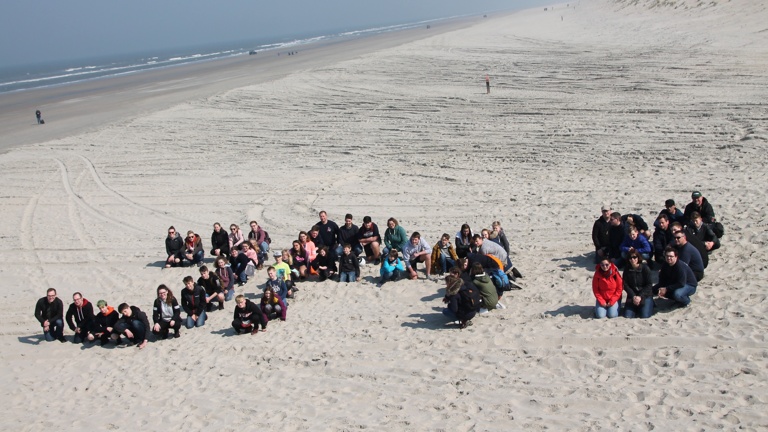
(349, 267)
(104, 322)
(82, 312)
(219, 241)
(174, 248)
(324, 265)
(600, 230)
(700, 205)
(328, 231)
(193, 302)
(676, 279)
(638, 286)
(248, 317)
(662, 237)
(166, 313)
(702, 232)
(616, 233)
(133, 324)
(457, 308)
(49, 310)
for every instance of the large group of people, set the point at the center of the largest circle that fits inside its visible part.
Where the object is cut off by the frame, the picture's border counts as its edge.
(679, 246)
(326, 251)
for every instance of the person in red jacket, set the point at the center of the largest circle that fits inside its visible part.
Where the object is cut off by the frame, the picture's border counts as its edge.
(607, 286)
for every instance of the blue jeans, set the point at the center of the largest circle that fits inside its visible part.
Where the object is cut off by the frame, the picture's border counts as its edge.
(499, 278)
(450, 314)
(197, 258)
(230, 294)
(682, 295)
(391, 276)
(447, 263)
(611, 311)
(55, 330)
(189, 323)
(347, 277)
(645, 310)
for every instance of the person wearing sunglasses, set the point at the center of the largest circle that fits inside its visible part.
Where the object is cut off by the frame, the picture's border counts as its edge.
(607, 286)
(638, 286)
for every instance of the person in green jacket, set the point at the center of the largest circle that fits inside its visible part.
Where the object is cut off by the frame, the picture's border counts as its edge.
(487, 289)
(394, 237)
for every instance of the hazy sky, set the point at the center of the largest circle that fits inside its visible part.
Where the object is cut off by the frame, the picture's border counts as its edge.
(37, 31)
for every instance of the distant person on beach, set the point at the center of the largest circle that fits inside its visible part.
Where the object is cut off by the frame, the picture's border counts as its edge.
(262, 239)
(39, 116)
(248, 317)
(227, 280)
(193, 249)
(638, 286)
(80, 317)
(395, 237)
(368, 237)
(166, 313)
(702, 206)
(219, 241)
(463, 241)
(392, 268)
(133, 324)
(676, 280)
(607, 286)
(104, 323)
(272, 306)
(193, 302)
(600, 234)
(348, 234)
(49, 310)
(487, 85)
(415, 251)
(211, 285)
(174, 248)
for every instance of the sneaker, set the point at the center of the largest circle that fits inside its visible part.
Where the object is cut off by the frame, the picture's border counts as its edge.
(500, 305)
(483, 311)
(377, 261)
(514, 286)
(361, 260)
(453, 323)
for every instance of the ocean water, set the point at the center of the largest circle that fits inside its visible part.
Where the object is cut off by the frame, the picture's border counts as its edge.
(13, 79)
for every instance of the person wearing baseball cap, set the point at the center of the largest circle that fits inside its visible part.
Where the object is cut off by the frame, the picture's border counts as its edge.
(702, 206)
(600, 230)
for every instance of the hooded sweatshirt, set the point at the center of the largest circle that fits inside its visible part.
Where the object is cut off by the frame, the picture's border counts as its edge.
(82, 315)
(607, 285)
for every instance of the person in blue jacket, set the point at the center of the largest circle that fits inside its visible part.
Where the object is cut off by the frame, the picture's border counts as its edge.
(392, 268)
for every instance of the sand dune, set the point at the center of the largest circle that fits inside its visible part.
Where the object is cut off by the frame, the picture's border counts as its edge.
(623, 102)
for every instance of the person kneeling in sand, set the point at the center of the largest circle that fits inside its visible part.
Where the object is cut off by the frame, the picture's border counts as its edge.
(676, 279)
(166, 313)
(49, 310)
(248, 317)
(174, 248)
(193, 302)
(607, 286)
(133, 324)
(103, 323)
(461, 306)
(82, 312)
(212, 286)
(277, 285)
(324, 265)
(193, 249)
(349, 267)
(272, 306)
(392, 268)
(488, 292)
(415, 251)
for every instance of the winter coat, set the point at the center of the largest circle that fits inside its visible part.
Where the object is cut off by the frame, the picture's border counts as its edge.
(607, 285)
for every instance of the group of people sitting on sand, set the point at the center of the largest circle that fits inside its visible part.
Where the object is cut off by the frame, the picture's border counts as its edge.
(474, 263)
(680, 246)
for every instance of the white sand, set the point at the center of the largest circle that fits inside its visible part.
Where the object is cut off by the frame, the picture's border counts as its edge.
(620, 102)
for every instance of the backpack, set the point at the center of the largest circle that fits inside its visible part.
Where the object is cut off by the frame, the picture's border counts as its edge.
(266, 237)
(469, 298)
(718, 229)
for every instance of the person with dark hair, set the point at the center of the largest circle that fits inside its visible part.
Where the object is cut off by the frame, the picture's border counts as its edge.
(193, 249)
(463, 241)
(700, 205)
(634, 241)
(637, 221)
(703, 233)
(443, 255)
(262, 240)
(103, 323)
(300, 260)
(349, 268)
(239, 266)
(672, 213)
(211, 285)
(324, 265)
(487, 290)
(348, 234)
(329, 232)
(688, 254)
(607, 287)
(308, 245)
(166, 313)
(219, 241)
(39, 117)
(638, 286)
(616, 233)
(174, 248)
(133, 324)
(392, 268)
(277, 284)
(193, 301)
(235, 237)
(394, 236)
(368, 237)
(416, 251)
(600, 237)
(49, 310)
(490, 248)
(248, 317)
(676, 279)
(82, 312)
(460, 307)
(272, 306)
(662, 236)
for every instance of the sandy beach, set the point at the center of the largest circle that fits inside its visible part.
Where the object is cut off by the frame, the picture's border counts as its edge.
(598, 101)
